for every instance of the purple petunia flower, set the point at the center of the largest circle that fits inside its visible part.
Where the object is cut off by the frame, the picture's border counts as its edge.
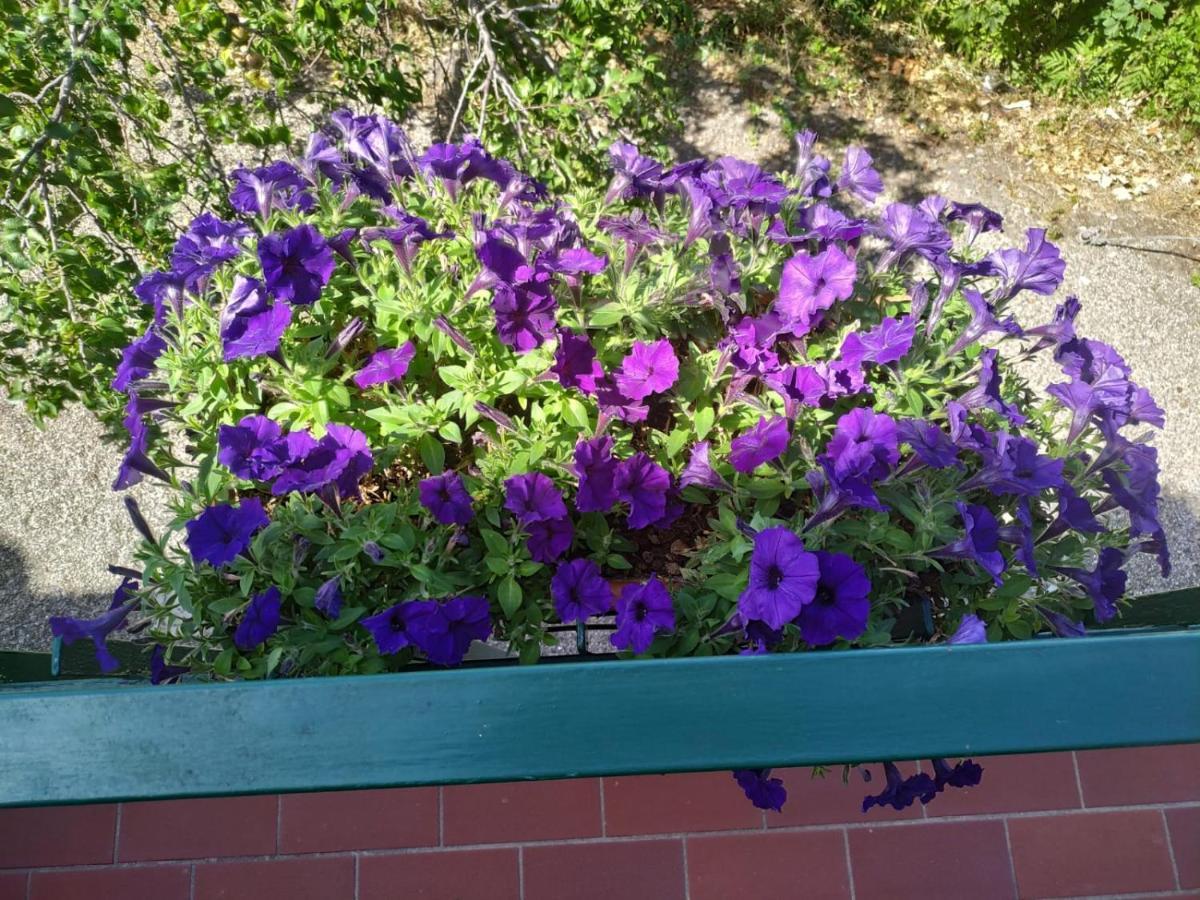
(579, 591)
(841, 604)
(405, 237)
(812, 169)
(700, 473)
(160, 672)
(252, 448)
(328, 598)
(761, 789)
(858, 177)
(1038, 268)
(911, 230)
(887, 342)
(549, 538)
(296, 264)
(986, 393)
(344, 338)
(1105, 584)
(635, 231)
(643, 484)
(275, 186)
(966, 773)
(96, 630)
(977, 217)
(899, 793)
(223, 531)
(634, 175)
(930, 445)
(138, 359)
(259, 621)
(971, 630)
(251, 322)
(648, 369)
(642, 611)
(1014, 466)
(525, 315)
(762, 443)
(136, 461)
(810, 284)
(446, 633)
(321, 157)
(983, 322)
(446, 498)
(865, 444)
(393, 628)
(575, 363)
(385, 366)
(596, 468)
(981, 541)
(207, 244)
(798, 385)
(532, 497)
(354, 454)
(1062, 625)
(783, 578)
(163, 291)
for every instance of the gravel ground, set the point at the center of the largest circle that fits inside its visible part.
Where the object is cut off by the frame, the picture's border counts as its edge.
(60, 525)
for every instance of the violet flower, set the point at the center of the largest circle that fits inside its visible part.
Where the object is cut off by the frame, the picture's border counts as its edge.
(393, 628)
(700, 473)
(252, 448)
(160, 672)
(549, 539)
(810, 284)
(812, 169)
(841, 604)
(446, 633)
(980, 542)
(986, 393)
(575, 363)
(296, 264)
(642, 611)
(930, 445)
(971, 630)
(386, 366)
(643, 484)
(910, 230)
(221, 532)
(1061, 625)
(858, 177)
(533, 497)
(1038, 268)
(579, 591)
(765, 441)
(267, 188)
(783, 578)
(983, 322)
(648, 369)
(761, 789)
(328, 598)
(634, 175)
(138, 359)
(251, 322)
(207, 244)
(259, 621)
(900, 793)
(887, 342)
(977, 217)
(965, 773)
(864, 444)
(596, 468)
(1104, 584)
(447, 499)
(96, 630)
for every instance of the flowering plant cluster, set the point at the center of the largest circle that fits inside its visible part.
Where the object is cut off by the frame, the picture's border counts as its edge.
(407, 401)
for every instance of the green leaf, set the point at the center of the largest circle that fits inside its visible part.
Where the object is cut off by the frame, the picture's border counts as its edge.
(510, 596)
(702, 422)
(433, 454)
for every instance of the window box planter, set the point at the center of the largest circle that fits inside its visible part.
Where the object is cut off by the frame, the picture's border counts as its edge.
(74, 741)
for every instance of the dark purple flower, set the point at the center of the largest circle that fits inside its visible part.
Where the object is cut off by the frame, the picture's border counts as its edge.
(643, 484)
(648, 369)
(575, 363)
(223, 531)
(978, 218)
(525, 317)
(642, 610)
(899, 793)
(160, 672)
(549, 538)
(1105, 584)
(812, 169)
(971, 630)
(841, 604)
(405, 237)
(1074, 514)
(322, 157)
(446, 498)
(835, 494)
(296, 264)
(259, 621)
(987, 392)
(761, 789)
(887, 342)
(1014, 466)
(138, 359)
(163, 291)
(251, 322)
(699, 472)
(865, 444)
(251, 449)
(205, 246)
(857, 176)
(275, 186)
(1020, 534)
(596, 468)
(136, 462)
(532, 497)
(634, 175)
(374, 552)
(96, 630)
(354, 455)
(932, 446)
(344, 338)
(810, 284)
(1038, 268)
(579, 591)
(749, 344)
(783, 578)
(385, 366)
(764, 442)
(378, 142)
(983, 322)
(328, 599)
(911, 230)
(393, 628)
(966, 773)
(1062, 625)
(798, 385)
(445, 635)
(981, 540)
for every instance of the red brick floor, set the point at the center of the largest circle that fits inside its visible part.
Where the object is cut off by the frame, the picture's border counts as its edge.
(1112, 823)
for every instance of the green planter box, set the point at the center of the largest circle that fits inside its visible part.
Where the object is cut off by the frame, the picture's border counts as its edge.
(76, 741)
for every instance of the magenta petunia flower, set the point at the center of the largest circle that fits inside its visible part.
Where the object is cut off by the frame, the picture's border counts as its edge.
(447, 499)
(579, 591)
(764, 442)
(296, 264)
(810, 284)
(783, 578)
(648, 369)
(385, 366)
(643, 610)
(841, 605)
